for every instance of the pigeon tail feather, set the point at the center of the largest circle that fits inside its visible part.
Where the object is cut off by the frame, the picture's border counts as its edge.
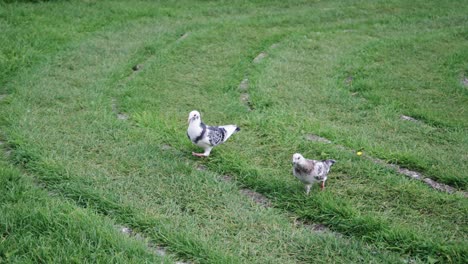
(230, 130)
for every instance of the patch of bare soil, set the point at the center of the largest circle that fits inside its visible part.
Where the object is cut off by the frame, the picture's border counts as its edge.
(165, 147)
(120, 115)
(245, 98)
(408, 118)
(349, 80)
(441, 187)
(201, 167)
(137, 67)
(260, 57)
(464, 80)
(313, 137)
(183, 36)
(226, 178)
(258, 198)
(274, 46)
(244, 85)
(319, 228)
(158, 250)
(412, 174)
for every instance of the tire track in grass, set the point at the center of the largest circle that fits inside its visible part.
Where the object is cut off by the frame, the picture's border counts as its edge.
(409, 173)
(129, 221)
(258, 198)
(156, 249)
(137, 68)
(341, 215)
(77, 190)
(264, 202)
(244, 96)
(244, 84)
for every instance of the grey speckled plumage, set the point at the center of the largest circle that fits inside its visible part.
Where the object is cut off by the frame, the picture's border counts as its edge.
(206, 136)
(311, 171)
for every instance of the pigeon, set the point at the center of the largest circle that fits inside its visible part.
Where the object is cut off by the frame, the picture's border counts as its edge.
(206, 136)
(311, 171)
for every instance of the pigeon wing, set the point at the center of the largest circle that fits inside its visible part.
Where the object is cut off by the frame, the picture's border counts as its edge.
(216, 135)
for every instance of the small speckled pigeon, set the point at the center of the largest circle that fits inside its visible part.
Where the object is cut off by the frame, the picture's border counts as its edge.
(206, 136)
(311, 171)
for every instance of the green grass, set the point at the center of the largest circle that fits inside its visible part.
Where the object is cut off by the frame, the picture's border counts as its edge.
(39, 227)
(344, 70)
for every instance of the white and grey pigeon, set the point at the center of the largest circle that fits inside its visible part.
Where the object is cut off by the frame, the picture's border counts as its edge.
(311, 171)
(206, 136)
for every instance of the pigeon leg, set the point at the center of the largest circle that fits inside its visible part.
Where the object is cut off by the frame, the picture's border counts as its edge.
(207, 151)
(323, 185)
(307, 187)
(204, 154)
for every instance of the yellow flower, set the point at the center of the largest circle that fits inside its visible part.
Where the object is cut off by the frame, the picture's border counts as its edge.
(359, 153)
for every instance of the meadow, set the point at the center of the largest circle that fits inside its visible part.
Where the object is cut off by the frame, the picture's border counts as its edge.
(96, 166)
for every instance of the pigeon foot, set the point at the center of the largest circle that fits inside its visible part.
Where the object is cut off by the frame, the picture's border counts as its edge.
(198, 154)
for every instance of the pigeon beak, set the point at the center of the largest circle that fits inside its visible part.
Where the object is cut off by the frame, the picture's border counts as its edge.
(189, 119)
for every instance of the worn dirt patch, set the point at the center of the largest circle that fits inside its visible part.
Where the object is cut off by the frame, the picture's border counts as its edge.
(258, 198)
(464, 80)
(412, 174)
(183, 36)
(120, 115)
(312, 227)
(318, 228)
(201, 167)
(158, 250)
(245, 98)
(408, 118)
(165, 147)
(316, 138)
(226, 178)
(137, 67)
(260, 57)
(244, 85)
(440, 186)
(274, 46)
(349, 80)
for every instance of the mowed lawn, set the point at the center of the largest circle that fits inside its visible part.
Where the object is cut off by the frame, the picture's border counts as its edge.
(94, 100)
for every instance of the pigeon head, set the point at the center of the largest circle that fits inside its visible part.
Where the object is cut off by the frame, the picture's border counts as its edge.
(194, 115)
(297, 158)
